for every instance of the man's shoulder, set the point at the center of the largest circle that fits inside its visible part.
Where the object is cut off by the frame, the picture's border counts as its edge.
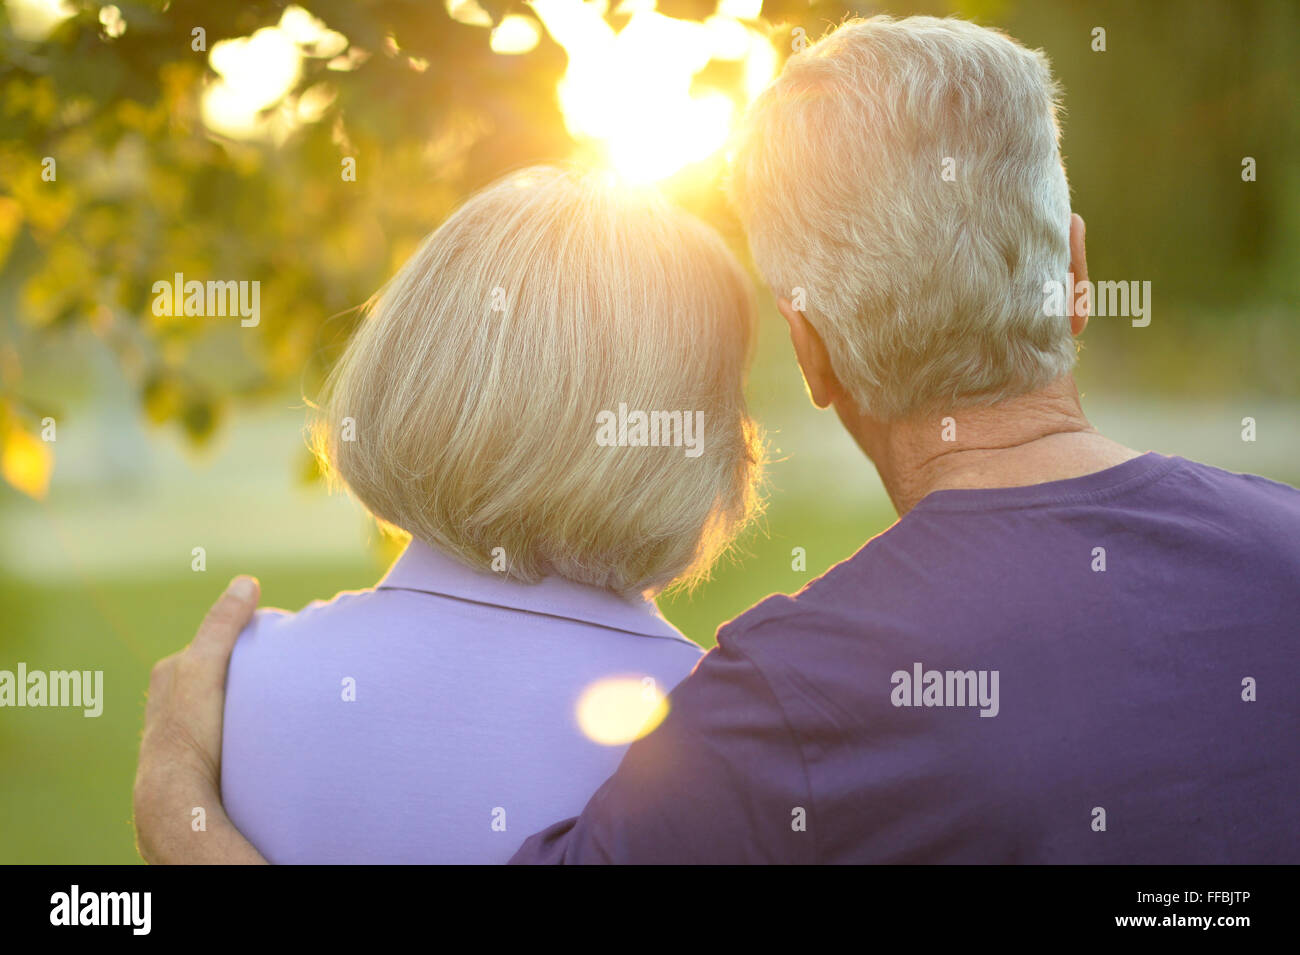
(1242, 483)
(1238, 508)
(836, 599)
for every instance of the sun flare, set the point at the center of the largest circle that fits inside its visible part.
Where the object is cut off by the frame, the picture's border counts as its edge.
(618, 710)
(633, 92)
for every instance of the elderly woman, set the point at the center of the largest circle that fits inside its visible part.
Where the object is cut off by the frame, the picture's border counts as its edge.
(548, 399)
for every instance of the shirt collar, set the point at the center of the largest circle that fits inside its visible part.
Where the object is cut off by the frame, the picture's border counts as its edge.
(425, 569)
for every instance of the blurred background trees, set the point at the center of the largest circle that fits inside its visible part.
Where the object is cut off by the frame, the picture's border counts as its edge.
(138, 140)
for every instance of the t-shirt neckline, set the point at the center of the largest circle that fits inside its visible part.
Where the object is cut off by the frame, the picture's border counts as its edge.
(1087, 487)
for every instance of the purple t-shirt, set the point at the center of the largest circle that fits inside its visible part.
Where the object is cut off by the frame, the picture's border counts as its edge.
(1098, 670)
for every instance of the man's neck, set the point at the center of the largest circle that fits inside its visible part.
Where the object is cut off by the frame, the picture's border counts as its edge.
(1030, 439)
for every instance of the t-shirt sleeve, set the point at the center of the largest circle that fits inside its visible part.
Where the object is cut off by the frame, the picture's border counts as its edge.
(721, 780)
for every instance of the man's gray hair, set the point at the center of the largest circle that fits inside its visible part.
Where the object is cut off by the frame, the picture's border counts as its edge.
(906, 175)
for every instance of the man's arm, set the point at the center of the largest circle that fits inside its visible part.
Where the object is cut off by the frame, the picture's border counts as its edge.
(721, 780)
(180, 751)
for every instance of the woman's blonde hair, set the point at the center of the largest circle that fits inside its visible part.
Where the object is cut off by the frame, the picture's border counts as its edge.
(466, 407)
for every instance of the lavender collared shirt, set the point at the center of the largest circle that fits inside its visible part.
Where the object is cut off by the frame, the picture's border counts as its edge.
(433, 718)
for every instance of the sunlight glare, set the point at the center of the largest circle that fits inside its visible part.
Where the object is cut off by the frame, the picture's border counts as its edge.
(254, 72)
(741, 9)
(515, 35)
(620, 709)
(33, 20)
(313, 37)
(630, 91)
(469, 13)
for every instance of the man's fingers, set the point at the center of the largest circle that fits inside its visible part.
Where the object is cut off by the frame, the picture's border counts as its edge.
(228, 616)
(180, 749)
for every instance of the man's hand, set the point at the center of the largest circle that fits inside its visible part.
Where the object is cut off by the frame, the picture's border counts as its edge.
(180, 752)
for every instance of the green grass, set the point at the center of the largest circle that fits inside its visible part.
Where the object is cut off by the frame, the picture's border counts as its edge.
(66, 790)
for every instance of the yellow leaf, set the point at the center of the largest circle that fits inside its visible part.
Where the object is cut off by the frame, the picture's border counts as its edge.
(27, 462)
(11, 218)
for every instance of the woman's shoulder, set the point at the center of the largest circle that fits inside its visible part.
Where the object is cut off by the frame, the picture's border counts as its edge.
(394, 625)
(278, 635)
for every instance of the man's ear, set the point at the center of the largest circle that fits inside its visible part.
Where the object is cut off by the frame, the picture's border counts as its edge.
(1078, 269)
(810, 351)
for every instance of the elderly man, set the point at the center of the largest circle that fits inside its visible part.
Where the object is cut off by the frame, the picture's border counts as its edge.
(1063, 651)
